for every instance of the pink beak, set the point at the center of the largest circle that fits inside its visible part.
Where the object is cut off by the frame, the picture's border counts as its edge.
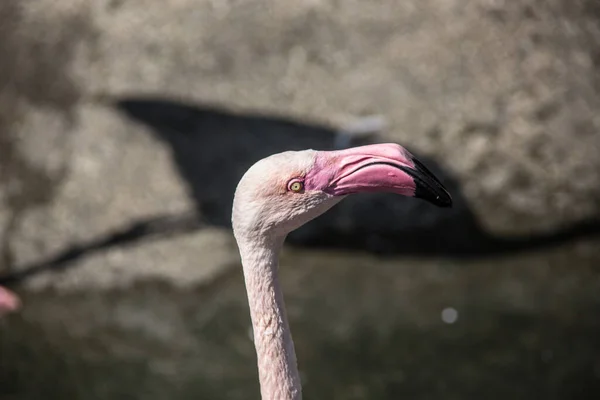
(376, 168)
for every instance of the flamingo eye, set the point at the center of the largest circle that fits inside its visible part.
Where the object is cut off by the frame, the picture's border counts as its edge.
(296, 186)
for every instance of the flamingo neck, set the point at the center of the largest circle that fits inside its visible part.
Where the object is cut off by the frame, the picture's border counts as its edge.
(276, 357)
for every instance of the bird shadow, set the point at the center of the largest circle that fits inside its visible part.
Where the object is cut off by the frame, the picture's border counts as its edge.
(212, 148)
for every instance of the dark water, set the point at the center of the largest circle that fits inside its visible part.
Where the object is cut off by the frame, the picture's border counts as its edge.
(364, 328)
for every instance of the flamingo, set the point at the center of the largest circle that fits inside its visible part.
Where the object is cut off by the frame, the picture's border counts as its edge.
(9, 302)
(280, 193)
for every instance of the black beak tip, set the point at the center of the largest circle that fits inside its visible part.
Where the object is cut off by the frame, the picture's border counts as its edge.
(447, 203)
(429, 187)
(436, 196)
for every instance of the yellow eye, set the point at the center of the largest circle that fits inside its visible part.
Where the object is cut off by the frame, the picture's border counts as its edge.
(296, 186)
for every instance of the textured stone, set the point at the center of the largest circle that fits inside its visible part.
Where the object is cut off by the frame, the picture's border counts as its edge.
(500, 92)
(503, 93)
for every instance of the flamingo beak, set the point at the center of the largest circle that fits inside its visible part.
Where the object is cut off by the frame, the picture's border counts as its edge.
(376, 168)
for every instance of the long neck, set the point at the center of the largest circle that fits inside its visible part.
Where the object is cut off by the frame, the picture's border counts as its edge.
(277, 367)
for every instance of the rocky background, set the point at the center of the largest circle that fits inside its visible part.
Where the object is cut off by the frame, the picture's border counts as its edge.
(124, 126)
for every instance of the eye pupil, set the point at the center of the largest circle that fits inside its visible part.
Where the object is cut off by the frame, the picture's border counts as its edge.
(296, 186)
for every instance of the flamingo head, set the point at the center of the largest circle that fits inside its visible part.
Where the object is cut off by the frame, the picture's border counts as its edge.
(281, 192)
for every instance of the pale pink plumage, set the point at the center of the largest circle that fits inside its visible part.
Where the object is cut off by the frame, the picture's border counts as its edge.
(9, 302)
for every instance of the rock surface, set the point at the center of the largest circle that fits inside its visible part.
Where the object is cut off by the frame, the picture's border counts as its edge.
(502, 94)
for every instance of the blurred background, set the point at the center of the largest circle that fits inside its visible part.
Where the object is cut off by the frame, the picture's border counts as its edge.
(125, 126)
